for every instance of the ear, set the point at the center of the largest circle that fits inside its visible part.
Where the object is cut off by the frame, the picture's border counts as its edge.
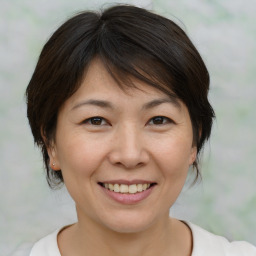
(193, 155)
(53, 156)
(52, 153)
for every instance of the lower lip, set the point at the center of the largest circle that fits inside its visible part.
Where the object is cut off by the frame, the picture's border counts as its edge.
(125, 198)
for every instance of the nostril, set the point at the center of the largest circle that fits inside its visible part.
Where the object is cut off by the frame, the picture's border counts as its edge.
(128, 157)
(129, 165)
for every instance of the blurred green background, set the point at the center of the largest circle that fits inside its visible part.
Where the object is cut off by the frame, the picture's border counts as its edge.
(224, 31)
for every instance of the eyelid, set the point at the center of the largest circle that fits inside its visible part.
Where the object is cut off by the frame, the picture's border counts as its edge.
(88, 120)
(166, 120)
(169, 120)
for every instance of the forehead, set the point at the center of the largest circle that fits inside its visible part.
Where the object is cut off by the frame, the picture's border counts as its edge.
(99, 83)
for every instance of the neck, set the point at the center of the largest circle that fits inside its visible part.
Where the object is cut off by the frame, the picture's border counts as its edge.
(90, 238)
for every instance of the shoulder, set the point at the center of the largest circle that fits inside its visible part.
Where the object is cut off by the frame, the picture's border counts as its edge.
(46, 246)
(206, 243)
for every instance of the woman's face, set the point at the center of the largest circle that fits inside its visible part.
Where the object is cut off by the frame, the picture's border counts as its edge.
(139, 140)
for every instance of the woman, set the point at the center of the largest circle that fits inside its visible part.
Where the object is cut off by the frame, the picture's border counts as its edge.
(118, 105)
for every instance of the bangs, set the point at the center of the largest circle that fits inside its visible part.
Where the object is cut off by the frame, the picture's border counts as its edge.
(127, 61)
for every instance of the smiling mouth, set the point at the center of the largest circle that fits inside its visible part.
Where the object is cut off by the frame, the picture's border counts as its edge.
(127, 189)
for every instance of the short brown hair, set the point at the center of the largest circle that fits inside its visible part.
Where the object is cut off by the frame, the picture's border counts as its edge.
(132, 43)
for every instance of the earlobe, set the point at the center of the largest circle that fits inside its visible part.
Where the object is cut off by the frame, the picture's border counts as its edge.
(193, 155)
(54, 166)
(52, 153)
(54, 163)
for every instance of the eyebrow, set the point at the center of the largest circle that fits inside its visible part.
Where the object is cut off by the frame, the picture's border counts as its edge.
(157, 102)
(94, 102)
(148, 105)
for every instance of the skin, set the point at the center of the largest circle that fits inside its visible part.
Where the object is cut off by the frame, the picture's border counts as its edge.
(128, 143)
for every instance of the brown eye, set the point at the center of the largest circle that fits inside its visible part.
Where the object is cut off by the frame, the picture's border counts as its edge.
(159, 120)
(97, 121)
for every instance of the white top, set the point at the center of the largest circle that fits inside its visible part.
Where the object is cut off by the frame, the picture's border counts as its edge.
(204, 243)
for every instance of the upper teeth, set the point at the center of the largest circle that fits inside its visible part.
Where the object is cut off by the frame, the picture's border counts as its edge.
(123, 188)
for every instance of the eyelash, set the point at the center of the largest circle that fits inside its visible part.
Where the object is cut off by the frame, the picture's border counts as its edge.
(165, 120)
(100, 119)
(89, 120)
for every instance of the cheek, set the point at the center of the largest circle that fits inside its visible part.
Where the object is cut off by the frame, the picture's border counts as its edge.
(79, 160)
(174, 152)
(79, 156)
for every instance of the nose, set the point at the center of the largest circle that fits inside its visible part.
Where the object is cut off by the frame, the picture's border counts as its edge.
(128, 149)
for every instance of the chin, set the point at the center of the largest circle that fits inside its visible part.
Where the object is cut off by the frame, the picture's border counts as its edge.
(129, 229)
(129, 223)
